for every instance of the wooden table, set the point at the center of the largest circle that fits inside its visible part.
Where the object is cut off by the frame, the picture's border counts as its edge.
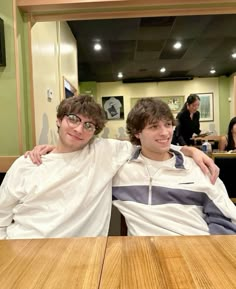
(51, 263)
(193, 262)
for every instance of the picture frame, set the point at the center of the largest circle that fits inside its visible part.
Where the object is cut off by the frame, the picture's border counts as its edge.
(69, 89)
(114, 107)
(175, 102)
(206, 107)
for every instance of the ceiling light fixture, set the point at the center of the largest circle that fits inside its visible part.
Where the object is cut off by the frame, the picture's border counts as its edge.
(120, 75)
(233, 55)
(212, 71)
(97, 46)
(163, 70)
(177, 45)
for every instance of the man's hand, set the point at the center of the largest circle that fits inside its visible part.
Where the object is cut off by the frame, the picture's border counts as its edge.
(206, 164)
(37, 152)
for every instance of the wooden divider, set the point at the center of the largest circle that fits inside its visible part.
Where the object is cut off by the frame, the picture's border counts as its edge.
(226, 171)
(6, 162)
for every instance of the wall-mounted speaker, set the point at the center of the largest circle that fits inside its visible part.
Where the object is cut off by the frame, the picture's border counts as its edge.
(2, 44)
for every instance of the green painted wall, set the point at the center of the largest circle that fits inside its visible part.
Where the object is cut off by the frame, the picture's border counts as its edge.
(8, 97)
(24, 64)
(224, 108)
(8, 107)
(89, 87)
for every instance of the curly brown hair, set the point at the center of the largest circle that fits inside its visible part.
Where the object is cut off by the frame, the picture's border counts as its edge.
(85, 105)
(146, 111)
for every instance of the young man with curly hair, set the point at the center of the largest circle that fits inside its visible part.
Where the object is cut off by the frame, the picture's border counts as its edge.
(160, 191)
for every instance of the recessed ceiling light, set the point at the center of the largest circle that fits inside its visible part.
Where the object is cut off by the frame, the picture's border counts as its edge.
(212, 71)
(97, 46)
(120, 75)
(233, 55)
(162, 69)
(177, 45)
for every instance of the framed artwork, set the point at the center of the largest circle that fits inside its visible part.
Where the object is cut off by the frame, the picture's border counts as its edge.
(113, 106)
(69, 89)
(175, 102)
(206, 107)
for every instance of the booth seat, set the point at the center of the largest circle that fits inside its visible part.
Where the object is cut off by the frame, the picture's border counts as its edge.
(227, 165)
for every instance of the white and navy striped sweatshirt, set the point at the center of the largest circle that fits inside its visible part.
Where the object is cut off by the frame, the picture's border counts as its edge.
(179, 200)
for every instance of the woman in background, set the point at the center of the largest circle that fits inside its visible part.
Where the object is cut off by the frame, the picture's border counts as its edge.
(228, 142)
(187, 121)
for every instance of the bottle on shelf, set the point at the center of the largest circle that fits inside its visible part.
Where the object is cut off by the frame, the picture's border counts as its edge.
(206, 147)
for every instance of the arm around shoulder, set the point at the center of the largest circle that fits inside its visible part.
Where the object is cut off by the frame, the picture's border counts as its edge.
(37, 152)
(205, 163)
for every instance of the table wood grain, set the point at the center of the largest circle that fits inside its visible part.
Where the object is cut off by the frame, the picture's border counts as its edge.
(74, 263)
(186, 262)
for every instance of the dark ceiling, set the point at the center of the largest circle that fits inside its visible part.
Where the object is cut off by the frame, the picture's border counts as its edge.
(139, 47)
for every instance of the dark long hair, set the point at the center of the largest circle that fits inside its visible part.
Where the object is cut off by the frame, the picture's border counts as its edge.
(191, 99)
(231, 145)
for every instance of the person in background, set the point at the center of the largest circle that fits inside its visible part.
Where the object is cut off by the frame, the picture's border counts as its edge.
(159, 191)
(69, 194)
(228, 142)
(187, 121)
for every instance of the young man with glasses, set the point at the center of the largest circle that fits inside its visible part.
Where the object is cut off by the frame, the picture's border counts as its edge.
(69, 194)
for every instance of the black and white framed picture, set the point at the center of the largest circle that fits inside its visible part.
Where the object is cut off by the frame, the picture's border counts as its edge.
(113, 106)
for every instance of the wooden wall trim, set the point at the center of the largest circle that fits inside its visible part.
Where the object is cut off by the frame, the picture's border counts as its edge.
(99, 6)
(30, 23)
(69, 16)
(18, 99)
(6, 162)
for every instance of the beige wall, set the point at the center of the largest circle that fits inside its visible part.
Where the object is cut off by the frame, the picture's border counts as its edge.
(232, 99)
(54, 55)
(134, 90)
(68, 56)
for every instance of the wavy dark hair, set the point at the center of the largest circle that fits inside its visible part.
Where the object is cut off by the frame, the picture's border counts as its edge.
(146, 111)
(191, 99)
(85, 105)
(231, 145)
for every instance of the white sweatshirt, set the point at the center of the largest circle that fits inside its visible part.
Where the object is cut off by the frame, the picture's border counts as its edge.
(68, 195)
